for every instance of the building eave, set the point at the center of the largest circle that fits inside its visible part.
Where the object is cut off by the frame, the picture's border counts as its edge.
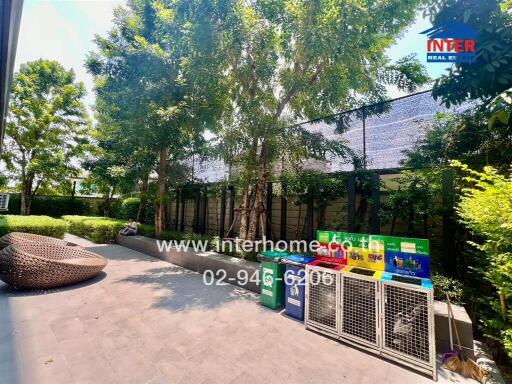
(10, 18)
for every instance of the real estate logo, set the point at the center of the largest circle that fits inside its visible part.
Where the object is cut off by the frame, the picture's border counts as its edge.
(451, 43)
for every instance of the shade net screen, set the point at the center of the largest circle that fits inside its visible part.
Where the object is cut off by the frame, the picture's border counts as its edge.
(381, 132)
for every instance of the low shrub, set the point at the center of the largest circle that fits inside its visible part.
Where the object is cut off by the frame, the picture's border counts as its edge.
(40, 225)
(249, 256)
(485, 208)
(446, 285)
(129, 208)
(146, 230)
(95, 228)
(179, 236)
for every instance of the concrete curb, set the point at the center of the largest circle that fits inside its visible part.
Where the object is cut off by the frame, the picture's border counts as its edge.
(200, 262)
(464, 325)
(484, 359)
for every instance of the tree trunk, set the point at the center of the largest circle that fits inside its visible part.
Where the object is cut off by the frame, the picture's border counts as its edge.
(160, 204)
(141, 213)
(503, 305)
(108, 203)
(361, 211)
(106, 206)
(26, 196)
(425, 227)
(257, 210)
(244, 213)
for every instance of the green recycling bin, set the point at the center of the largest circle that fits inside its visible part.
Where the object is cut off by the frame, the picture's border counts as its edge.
(272, 279)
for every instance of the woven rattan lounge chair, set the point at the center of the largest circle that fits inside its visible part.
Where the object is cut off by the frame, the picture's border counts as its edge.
(21, 238)
(40, 266)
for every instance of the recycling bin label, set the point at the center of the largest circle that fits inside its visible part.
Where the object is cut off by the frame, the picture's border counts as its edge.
(295, 291)
(268, 281)
(402, 255)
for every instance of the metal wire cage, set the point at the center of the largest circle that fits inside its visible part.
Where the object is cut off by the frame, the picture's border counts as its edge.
(359, 312)
(408, 325)
(322, 298)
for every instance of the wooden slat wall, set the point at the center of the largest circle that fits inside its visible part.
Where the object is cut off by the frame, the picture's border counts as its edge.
(335, 219)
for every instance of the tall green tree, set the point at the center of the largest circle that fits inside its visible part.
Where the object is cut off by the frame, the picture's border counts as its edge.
(491, 74)
(47, 127)
(154, 86)
(293, 60)
(468, 137)
(483, 134)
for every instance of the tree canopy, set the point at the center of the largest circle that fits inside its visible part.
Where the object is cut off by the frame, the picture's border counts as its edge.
(156, 92)
(286, 61)
(169, 71)
(47, 127)
(492, 73)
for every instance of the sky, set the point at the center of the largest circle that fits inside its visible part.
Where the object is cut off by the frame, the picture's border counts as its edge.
(64, 30)
(413, 42)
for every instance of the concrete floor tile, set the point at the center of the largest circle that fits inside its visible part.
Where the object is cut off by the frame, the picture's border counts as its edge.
(132, 367)
(78, 350)
(50, 369)
(38, 347)
(150, 322)
(67, 328)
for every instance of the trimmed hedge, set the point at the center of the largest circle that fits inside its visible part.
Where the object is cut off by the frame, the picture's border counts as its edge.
(57, 206)
(95, 228)
(40, 225)
(103, 230)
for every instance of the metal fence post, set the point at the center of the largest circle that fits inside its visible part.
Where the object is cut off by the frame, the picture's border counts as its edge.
(204, 211)
(268, 224)
(375, 214)
(449, 257)
(177, 213)
(182, 213)
(284, 211)
(223, 198)
(351, 202)
(364, 138)
(309, 217)
(197, 202)
(232, 199)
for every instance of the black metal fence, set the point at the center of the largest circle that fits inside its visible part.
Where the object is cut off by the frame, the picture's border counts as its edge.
(380, 133)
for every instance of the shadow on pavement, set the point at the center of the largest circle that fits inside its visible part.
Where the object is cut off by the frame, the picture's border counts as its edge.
(12, 292)
(180, 288)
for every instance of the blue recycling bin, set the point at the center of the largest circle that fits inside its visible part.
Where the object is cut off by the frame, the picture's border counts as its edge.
(295, 284)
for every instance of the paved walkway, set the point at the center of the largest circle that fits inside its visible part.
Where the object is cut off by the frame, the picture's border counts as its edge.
(147, 321)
